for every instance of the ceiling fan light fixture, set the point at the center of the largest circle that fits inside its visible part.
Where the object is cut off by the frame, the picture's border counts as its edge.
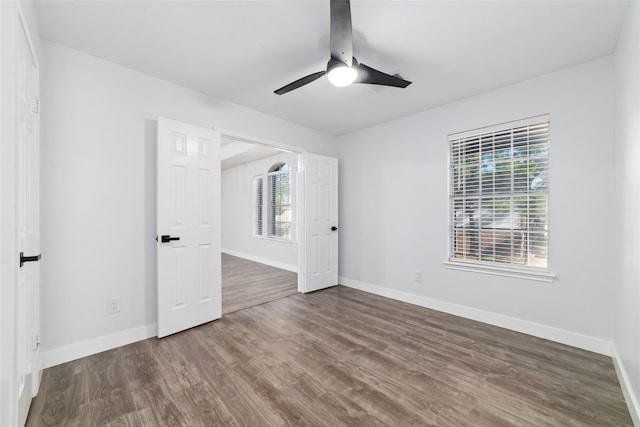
(341, 75)
(342, 68)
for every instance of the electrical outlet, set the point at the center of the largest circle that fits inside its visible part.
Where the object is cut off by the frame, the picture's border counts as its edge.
(418, 276)
(113, 305)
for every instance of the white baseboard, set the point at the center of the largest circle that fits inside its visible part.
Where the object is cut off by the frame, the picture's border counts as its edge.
(629, 395)
(272, 263)
(60, 355)
(563, 336)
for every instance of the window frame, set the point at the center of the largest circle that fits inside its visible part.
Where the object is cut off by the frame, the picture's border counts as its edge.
(496, 267)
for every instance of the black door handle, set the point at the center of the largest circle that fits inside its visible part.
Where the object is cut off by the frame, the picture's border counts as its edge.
(33, 258)
(334, 228)
(166, 238)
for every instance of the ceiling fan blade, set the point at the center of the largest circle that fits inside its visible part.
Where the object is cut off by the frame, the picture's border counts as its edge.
(372, 76)
(299, 83)
(341, 35)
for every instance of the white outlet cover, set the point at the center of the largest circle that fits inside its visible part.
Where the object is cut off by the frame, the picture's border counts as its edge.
(113, 305)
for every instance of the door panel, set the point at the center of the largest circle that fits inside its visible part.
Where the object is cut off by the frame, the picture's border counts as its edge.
(189, 277)
(321, 216)
(28, 223)
(205, 274)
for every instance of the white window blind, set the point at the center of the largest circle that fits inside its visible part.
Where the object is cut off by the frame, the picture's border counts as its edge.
(258, 188)
(280, 202)
(499, 195)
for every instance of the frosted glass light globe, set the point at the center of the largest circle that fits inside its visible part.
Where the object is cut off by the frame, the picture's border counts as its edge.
(342, 75)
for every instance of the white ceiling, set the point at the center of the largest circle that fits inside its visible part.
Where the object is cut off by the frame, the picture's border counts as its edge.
(235, 152)
(242, 51)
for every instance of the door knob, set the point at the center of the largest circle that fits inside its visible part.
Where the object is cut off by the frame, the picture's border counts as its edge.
(334, 228)
(33, 258)
(166, 238)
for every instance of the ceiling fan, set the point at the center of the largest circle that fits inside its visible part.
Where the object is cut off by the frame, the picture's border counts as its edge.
(343, 69)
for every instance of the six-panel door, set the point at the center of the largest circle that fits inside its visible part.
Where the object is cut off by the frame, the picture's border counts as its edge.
(189, 278)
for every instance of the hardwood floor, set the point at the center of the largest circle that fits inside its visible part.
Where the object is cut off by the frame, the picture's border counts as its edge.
(337, 357)
(247, 283)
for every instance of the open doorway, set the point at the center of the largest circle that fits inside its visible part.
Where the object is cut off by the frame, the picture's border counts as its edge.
(260, 227)
(190, 209)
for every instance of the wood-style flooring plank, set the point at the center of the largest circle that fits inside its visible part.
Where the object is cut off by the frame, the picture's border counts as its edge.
(247, 283)
(337, 357)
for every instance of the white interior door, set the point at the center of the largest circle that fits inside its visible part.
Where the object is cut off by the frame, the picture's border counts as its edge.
(28, 219)
(321, 222)
(189, 276)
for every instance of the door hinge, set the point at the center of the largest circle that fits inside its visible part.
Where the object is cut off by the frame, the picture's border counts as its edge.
(36, 107)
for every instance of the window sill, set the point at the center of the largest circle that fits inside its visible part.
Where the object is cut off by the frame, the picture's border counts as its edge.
(540, 276)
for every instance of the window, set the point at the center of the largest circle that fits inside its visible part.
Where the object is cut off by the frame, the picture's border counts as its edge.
(258, 189)
(280, 201)
(499, 195)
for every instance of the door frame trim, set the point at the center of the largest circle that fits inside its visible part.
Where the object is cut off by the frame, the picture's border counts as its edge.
(8, 221)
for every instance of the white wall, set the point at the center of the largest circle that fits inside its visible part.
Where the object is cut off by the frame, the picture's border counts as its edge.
(238, 214)
(98, 192)
(393, 209)
(627, 167)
